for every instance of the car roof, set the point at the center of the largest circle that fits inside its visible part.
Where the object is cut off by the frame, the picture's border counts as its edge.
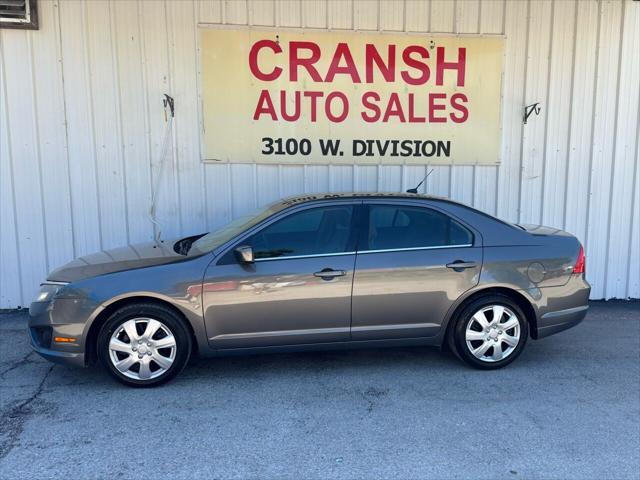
(314, 197)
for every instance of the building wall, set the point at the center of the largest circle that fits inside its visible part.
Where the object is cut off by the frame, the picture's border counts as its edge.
(82, 127)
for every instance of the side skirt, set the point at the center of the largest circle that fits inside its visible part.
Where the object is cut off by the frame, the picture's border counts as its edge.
(348, 345)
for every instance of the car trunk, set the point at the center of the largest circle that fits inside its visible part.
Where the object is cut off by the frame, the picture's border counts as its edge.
(544, 230)
(558, 266)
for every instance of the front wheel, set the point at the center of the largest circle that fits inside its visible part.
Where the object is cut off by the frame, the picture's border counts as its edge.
(490, 332)
(144, 345)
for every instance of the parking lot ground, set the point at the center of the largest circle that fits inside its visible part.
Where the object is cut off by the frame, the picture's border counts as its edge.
(569, 407)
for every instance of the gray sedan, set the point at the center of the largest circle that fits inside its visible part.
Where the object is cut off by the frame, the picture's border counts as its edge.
(316, 272)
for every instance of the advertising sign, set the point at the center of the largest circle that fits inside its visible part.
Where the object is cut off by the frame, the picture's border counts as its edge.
(313, 97)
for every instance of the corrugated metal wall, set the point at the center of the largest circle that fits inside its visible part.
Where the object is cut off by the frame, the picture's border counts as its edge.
(81, 127)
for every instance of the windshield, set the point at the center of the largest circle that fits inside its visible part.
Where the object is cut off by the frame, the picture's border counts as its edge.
(223, 234)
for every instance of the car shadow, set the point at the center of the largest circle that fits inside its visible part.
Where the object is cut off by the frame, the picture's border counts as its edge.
(421, 361)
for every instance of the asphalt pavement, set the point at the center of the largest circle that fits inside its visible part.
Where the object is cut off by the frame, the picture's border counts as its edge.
(569, 407)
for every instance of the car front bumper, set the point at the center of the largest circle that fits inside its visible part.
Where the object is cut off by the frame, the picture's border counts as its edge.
(48, 320)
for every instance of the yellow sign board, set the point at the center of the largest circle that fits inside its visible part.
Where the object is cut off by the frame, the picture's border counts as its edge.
(310, 97)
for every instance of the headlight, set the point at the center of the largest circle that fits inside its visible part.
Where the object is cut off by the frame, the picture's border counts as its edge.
(48, 290)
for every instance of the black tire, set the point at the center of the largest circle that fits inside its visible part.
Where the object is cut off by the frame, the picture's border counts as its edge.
(170, 320)
(458, 332)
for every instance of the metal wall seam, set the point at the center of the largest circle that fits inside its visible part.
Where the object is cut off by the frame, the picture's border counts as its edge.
(22, 141)
(603, 143)
(576, 208)
(11, 285)
(558, 112)
(623, 165)
(516, 31)
(633, 272)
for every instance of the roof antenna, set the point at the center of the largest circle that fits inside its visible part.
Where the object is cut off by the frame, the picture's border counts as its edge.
(415, 190)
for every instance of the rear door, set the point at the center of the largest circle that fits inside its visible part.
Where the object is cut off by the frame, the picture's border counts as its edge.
(413, 261)
(299, 288)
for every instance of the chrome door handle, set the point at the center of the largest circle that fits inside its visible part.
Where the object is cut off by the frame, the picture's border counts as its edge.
(330, 273)
(460, 265)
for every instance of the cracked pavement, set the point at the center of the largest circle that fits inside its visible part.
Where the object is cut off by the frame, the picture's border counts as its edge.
(569, 407)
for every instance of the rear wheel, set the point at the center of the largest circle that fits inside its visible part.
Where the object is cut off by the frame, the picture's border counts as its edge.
(144, 345)
(490, 332)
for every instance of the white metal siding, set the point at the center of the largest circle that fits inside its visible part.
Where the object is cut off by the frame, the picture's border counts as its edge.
(81, 127)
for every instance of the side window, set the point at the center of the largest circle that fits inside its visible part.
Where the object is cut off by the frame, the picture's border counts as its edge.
(310, 232)
(392, 226)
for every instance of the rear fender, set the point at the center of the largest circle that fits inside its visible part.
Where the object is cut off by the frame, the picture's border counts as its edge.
(522, 298)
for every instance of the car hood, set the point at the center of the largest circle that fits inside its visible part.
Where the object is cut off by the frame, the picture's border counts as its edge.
(116, 260)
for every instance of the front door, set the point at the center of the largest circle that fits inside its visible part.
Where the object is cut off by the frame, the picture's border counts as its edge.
(297, 291)
(406, 276)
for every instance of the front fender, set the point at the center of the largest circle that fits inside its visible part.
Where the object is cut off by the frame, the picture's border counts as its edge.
(178, 285)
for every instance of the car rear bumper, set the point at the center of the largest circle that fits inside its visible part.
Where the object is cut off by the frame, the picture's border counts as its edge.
(554, 322)
(563, 307)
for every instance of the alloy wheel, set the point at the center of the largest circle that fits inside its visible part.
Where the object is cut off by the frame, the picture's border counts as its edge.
(493, 333)
(142, 348)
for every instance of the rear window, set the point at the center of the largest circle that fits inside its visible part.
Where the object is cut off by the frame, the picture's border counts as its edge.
(397, 226)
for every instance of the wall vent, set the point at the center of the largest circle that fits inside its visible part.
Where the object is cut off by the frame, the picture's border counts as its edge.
(19, 14)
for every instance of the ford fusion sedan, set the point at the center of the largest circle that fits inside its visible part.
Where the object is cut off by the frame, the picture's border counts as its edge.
(316, 272)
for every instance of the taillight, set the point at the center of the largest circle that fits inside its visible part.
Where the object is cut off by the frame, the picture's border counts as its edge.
(580, 262)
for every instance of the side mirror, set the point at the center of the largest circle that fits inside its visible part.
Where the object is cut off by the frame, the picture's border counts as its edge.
(244, 254)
